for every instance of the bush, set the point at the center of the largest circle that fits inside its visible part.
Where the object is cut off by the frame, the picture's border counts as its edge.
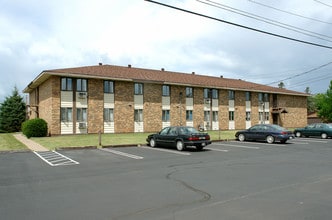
(35, 128)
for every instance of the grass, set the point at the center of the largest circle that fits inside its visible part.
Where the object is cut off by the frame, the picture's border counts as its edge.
(110, 139)
(9, 143)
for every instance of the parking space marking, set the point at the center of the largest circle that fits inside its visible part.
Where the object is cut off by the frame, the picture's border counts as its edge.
(166, 150)
(239, 146)
(311, 140)
(54, 158)
(215, 149)
(122, 153)
(276, 144)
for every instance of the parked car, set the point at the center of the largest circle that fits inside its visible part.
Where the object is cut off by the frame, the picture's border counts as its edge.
(317, 129)
(179, 137)
(265, 132)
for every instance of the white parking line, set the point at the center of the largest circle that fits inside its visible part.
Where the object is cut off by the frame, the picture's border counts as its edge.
(215, 149)
(122, 153)
(166, 150)
(239, 146)
(311, 140)
(276, 144)
(54, 158)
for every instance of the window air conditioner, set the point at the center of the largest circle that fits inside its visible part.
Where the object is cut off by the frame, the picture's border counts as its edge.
(82, 125)
(82, 95)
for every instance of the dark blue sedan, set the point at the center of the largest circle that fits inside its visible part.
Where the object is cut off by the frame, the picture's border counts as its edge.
(265, 132)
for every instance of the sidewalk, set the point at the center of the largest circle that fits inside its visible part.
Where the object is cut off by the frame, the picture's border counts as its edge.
(30, 143)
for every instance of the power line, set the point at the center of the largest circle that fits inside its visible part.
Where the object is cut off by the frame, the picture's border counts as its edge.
(288, 12)
(241, 26)
(301, 74)
(311, 80)
(323, 3)
(266, 20)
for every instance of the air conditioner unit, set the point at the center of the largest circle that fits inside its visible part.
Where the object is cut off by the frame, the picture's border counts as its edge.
(82, 125)
(207, 101)
(82, 95)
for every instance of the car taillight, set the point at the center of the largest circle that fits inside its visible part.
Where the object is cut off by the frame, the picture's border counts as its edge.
(193, 138)
(207, 137)
(284, 132)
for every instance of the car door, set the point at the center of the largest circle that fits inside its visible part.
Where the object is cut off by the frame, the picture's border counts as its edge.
(161, 138)
(261, 132)
(171, 136)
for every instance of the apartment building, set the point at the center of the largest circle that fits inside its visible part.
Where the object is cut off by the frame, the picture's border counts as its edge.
(119, 99)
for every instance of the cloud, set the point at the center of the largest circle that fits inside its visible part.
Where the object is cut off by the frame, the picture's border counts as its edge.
(42, 35)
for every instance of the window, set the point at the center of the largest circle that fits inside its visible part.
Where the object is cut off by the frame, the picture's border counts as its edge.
(248, 96)
(166, 90)
(231, 95)
(108, 86)
(66, 84)
(206, 115)
(189, 92)
(189, 115)
(267, 116)
(260, 116)
(248, 116)
(108, 115)
(164, 131)
(138, 115)
(263, 97)
(66, 114)
(81, 85)
(165, 116)
(138, 90)
(206, 93)
(215, 116)
(231, 115)
(81, 115)
(215, 93)
(266, 97)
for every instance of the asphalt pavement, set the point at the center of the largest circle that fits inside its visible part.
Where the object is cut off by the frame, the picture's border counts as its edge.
(227, 180)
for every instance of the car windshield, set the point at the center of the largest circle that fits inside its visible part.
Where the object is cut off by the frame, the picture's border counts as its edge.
(329, 125)
(277, 127)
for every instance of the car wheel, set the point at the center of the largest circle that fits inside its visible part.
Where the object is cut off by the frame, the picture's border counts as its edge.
(180, 146)
(270, 139)
(152, 142)
(298, 134)
(242, 137)
(323, 135)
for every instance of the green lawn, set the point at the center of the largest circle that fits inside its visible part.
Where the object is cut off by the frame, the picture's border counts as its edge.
(110, 139)
(8, 142)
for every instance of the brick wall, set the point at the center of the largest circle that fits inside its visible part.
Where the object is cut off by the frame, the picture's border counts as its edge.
(95, 106)
(152, 107)
(124, 107)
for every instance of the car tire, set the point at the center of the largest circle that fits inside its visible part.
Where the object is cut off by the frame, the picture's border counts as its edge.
(298, 134)
(242, 137)
(152, 142)
(323, 135)
(270, 139)
(180, 146)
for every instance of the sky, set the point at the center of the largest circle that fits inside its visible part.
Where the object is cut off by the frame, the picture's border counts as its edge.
(37, 35)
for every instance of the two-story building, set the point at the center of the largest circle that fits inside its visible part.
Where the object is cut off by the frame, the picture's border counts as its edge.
(117, 99)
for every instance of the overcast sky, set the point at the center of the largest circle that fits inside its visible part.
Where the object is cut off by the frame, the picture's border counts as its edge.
(37, 35)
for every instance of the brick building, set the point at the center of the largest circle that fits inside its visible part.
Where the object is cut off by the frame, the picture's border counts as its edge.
(117, 99)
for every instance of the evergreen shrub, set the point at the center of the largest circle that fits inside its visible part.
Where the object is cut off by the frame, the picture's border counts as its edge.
(35, 128)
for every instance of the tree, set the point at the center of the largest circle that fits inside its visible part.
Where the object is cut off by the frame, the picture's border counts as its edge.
(12, 113)
(324, 105)
(281, 85)
(311, 103)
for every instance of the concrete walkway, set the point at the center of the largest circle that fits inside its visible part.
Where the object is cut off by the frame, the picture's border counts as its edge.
(30, 143)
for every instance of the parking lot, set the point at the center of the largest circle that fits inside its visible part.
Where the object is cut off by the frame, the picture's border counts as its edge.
(227, 180)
